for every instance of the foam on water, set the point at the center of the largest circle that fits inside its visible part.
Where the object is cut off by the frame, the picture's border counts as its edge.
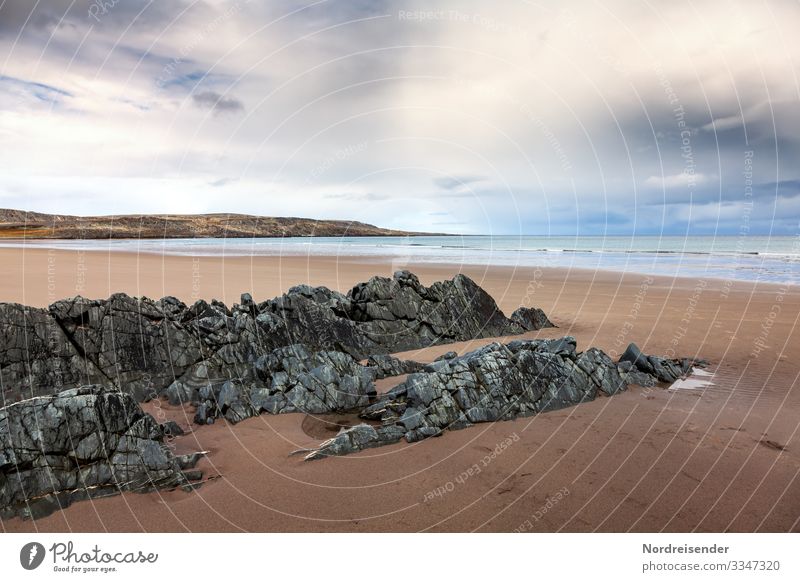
(697, 379)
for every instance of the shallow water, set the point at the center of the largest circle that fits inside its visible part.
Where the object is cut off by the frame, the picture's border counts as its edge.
(697, 379)
(768, 259)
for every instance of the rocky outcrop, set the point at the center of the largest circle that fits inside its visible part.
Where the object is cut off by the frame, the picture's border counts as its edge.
(92, 441)
(137, 344)
(299, 352)
(385, 315)
(291, 379)
(387, 366)
(356, 438)
(36, 356)
(496, 382)
(82, 443)
(150, 348)
(531, 318)
(656, 367)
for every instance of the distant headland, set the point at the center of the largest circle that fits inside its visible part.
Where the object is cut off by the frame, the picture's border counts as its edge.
(36, 225)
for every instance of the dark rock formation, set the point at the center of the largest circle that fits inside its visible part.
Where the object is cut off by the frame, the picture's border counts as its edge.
(151, 348)
(496, 382)
(531, 318)
(36, 356)
(385, 315)
(661, 369)
(387, 366)
(82, 443)
(297, 353)
(356, 438)
(134, 343)
(290, 379)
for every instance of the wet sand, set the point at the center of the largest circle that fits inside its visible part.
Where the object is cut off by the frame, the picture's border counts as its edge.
(724, 457)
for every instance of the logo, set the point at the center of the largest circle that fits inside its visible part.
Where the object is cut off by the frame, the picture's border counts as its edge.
(31, 555)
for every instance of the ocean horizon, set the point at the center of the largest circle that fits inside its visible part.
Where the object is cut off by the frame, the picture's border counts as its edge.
(772, 259)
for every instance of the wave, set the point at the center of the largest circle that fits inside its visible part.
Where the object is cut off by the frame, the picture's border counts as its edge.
(719, 253)
(480, 245)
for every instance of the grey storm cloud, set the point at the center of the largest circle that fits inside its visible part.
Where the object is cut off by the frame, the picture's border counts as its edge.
(784, 188)
(217, 102)
(22, 17)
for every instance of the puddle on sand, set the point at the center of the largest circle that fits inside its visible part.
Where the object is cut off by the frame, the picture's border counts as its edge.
(697, 379)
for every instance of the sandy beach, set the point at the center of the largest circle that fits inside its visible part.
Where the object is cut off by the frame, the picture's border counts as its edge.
(722, 457)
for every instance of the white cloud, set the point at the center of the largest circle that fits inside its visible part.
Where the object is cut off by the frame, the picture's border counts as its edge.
(681, 180)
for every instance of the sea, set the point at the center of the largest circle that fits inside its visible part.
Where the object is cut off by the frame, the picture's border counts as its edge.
(774, 259)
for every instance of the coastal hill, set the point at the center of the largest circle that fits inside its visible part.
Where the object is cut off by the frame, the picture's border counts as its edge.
(36, 225)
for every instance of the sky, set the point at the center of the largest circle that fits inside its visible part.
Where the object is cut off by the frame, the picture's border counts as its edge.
(511, 117)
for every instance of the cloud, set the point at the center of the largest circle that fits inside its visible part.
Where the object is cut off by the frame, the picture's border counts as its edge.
(222, 182)
(456, 182)
(783, 189)
(365, 197)
(33, 90)
(16, 15)
(725, 123)
(24, 17)
(216, 102)
(681, 180)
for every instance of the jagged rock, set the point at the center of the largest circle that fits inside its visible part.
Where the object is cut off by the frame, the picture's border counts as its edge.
(36, 355)
(135, 343)
(171, 429)
(446, 356)
(633, 376)
(662, 369)
(84, 442)
(189, 460)
(384, 315)
(495, 382)
(602, 370)
(531, 318)
(356, 438)
(401, 314)
(387, 366)
(247, 304)
(155, 348)
(291, 379)
(635, 356)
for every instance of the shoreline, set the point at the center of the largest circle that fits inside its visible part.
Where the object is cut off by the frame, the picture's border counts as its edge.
(44, 260)
(762, 267)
